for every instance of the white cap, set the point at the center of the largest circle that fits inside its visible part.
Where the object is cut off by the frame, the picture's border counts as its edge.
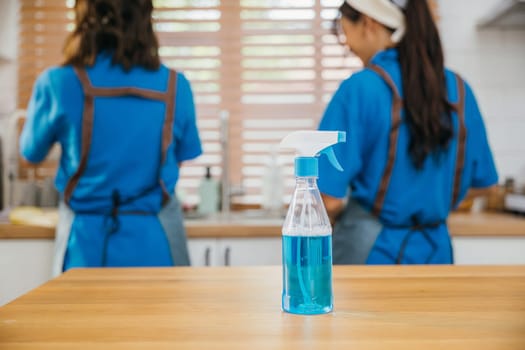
(385, 12)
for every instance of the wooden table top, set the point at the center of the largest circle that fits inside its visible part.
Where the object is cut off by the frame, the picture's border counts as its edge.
(460, 224)
(376, 307)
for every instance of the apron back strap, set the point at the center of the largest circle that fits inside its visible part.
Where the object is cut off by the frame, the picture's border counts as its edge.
(90, 92)
(397, 104)
(462, 136)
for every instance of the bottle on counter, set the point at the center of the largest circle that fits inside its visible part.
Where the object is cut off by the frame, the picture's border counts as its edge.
(209, 194)
(307, 232)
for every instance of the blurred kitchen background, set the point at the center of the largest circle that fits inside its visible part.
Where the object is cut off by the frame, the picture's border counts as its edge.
(272, 65)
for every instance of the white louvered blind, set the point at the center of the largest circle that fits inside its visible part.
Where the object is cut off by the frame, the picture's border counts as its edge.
(290, 65)
(273, 64)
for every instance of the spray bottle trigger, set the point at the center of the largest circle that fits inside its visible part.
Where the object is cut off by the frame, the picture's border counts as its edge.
(329, 152)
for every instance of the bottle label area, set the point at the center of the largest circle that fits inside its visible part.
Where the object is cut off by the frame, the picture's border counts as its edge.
(307, 274)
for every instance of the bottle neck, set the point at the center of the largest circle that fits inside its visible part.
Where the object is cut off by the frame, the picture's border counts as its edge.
(306, 167)
(306, 181)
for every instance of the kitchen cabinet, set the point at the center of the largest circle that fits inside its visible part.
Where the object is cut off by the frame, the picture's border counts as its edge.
(203, 252)
(267, 251)
(24, 264)
(235, 251)
(489, 250)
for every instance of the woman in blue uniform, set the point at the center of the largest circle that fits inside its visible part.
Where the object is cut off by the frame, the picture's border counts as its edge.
(125, 122)
(416, 139)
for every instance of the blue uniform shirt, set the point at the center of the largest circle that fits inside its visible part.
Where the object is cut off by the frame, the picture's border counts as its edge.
(125, 150)
(362, 107)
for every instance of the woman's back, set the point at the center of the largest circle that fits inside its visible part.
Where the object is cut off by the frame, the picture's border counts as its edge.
(125, 145)
(416, 140)
(424, 193)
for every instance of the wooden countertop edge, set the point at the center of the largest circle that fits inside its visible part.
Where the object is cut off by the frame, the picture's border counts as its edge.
(13, 231)
(460, 225)
(340, 271)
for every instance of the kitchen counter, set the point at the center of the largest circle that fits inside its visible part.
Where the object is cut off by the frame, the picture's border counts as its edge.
(460, 224)
(376, 307)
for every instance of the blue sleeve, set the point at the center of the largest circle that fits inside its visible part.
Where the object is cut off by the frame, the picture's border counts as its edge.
(484, 173)
(186, 133)
(40, 128)
(343, 114)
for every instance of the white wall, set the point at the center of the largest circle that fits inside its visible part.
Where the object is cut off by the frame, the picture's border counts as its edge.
(24, 265)
(8, 70)
(8, 53)
(493, 62)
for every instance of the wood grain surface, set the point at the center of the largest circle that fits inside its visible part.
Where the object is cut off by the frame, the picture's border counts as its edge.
(376, 307)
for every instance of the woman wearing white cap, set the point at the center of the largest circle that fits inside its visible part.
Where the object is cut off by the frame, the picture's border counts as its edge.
(416, 139)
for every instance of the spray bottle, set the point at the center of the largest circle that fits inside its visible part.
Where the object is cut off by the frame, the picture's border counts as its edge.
(307, 233)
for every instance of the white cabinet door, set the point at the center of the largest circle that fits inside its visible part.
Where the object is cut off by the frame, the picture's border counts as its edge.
(24, 264)
(203, 252)
(489, 250)
(249, 251)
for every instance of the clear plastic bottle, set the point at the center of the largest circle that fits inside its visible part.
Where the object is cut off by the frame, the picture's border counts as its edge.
(307, 252)
(307, 232)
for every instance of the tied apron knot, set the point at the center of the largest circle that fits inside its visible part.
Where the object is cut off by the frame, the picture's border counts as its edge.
(111, 223)
(418, 227)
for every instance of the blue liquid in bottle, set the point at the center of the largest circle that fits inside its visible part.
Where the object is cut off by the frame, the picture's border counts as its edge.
(307, 274)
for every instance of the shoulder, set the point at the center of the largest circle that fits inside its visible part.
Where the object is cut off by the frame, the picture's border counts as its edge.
(182, 81)
(364, 78)
(58, 83)
(57, 78)
(361, 84)
(58, 74)
(183, 85)
(473, 116)
(453, 79)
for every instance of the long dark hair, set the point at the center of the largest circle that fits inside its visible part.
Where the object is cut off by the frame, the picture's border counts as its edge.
(122, 27)
(427, 109)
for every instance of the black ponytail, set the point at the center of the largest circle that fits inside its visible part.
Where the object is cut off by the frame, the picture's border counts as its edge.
(427, 109)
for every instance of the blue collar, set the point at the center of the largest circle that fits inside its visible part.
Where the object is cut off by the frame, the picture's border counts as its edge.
(105, 56)
(385, 56)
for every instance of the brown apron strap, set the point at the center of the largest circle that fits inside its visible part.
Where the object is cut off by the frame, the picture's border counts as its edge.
(118, 91)
(87, 130)
(88, 113)
(128, 91)
(462, 136)
(167, 129)
(397, 104)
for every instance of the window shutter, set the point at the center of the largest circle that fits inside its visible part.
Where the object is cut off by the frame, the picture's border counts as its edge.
(43, 28)
(290, 65)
